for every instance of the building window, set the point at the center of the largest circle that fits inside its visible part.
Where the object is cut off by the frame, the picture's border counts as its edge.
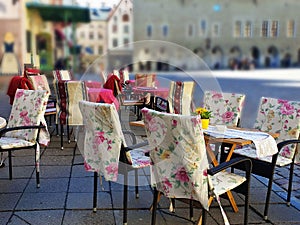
(115, 42)
(125, 41)
(115, 28)
(216, 30)
(100, 50)
(291, 28)
(265, 28)
(248, 29)
(149, 30)
(100, 36)
(115, 19)
(126, 29)
(125, 18)
(202, 28)
(91, 35)
(274, 29)
(165, 30)
(237, 29)
(190, 30)
(82, 34)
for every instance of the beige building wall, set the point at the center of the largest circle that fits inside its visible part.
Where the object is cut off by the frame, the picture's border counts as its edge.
(193, 24)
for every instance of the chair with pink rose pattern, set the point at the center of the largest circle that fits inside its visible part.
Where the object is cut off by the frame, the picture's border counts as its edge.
(26, 127)
(180, 166)
(226, 107)
(105, 150)
(275, 116)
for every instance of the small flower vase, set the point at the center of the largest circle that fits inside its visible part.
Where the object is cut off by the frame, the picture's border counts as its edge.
(205, 123)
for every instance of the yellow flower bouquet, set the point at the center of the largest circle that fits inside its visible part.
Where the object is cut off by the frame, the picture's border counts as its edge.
(204, 113)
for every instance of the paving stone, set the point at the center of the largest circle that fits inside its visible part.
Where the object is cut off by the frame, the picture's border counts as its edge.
(84, 217)
(9, 201)
(41, 217)
(4, 217)
(85, 201)
(36, 201)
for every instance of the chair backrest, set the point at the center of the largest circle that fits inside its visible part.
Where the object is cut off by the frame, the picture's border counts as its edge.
(280, 116)
(62, 75)
(226, 107)
(28, 109)
(103, 138)
(181, 97)
(39, 82)
(178, 155)
(69, 94)
(145, 80)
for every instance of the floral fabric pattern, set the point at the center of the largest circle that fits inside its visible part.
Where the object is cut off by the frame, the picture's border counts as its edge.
(226, 107)
(103, 140)
(28, 109)
(283, 117)
(178, 156)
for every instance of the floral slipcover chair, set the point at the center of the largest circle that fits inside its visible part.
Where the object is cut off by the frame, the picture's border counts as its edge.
(28, 109)
(181, 97)
(180, 165)
(226, 107)
(277, 116)
(104, 144)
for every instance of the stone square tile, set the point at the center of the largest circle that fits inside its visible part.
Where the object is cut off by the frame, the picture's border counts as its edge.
(4, 217)
(85, 201)
(84, 217)
(13, 186)
(41, 217)
(55, 171)
(50, 185)
(36, 201)
(86, 184)
(9, 201)
(59, 160)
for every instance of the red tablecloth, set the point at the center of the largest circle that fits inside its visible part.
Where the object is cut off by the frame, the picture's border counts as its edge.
(160, 91)
(102, 95)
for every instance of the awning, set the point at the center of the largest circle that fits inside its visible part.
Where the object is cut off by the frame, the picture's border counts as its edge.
(61, 13)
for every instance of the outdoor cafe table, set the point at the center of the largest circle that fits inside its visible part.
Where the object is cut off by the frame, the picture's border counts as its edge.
(154, 91)
(102, 95)
(234, 137)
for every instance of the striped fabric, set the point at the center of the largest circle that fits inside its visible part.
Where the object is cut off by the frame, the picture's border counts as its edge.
(69, 95)
(145, 80)
(181, 96)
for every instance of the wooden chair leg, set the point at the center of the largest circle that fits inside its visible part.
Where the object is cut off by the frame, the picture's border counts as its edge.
(95, 192)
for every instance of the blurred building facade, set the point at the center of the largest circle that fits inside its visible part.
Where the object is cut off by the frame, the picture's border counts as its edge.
(92, 37)
(237, 34)
(120, 30)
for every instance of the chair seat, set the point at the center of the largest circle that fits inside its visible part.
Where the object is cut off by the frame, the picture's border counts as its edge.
(8, 143)
(138, 158)
(251, 153)
(225, 181)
